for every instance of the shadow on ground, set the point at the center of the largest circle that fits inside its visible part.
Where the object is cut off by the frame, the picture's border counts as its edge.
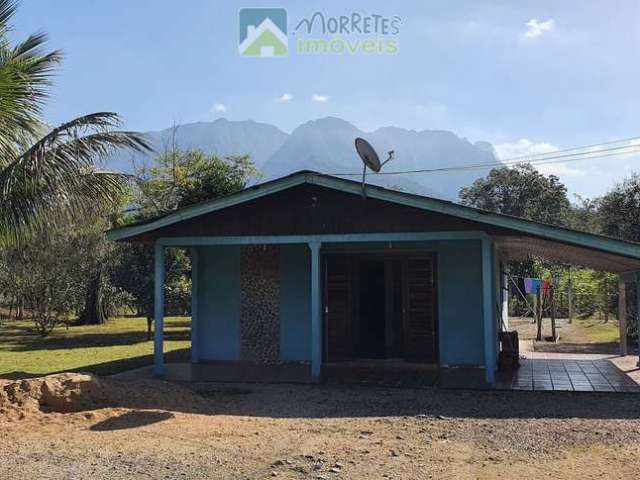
(329, 401)
(29, 341)
(612, 348)
(132, 419)
(109, 368)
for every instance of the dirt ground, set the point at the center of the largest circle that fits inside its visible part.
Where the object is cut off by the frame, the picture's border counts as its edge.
(160, 430)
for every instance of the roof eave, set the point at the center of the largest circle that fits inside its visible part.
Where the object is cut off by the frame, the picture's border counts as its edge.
(580, 239)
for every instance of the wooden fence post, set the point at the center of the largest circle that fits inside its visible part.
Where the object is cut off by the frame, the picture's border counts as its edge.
(622, 315)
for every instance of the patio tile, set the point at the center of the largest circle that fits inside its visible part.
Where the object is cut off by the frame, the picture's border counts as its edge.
(560, 372)
(603, 388)
(522, 387)
(543, 388)
(583, 388)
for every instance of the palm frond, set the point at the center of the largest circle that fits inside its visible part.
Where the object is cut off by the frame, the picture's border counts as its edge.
(7, 10)
(57, 178)
(26, 73)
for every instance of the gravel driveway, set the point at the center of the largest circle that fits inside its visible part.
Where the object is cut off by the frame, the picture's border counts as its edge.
(162, 430)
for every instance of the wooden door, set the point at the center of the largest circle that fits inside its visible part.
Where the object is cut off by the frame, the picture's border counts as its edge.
(419, 310)
(338, 307)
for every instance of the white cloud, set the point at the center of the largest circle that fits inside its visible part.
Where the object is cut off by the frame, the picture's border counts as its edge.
(219, 107)
(319, 98)
(560, 170)
(284, 98)
(525, 147)
(536, 28)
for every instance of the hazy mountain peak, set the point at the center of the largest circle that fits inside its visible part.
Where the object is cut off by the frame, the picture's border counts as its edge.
(326, 145)
(326, 123)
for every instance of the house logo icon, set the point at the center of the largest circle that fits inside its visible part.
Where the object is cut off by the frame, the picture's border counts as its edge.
(263, 32)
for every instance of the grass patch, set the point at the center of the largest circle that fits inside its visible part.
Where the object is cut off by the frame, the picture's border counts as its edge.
(118, 345)
(592, 330)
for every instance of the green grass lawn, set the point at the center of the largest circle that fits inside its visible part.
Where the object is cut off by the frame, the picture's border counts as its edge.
(120, 344)
(594, 330)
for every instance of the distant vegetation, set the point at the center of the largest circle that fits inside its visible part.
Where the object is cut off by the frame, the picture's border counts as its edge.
(523, 191)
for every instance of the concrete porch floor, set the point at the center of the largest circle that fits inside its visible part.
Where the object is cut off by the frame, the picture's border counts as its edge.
(544, 371)
(226, 371)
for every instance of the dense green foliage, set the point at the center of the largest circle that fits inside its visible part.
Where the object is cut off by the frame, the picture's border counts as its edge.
(619, 210)
(523, 191)
(520, 191)
(178, 178)
(175, 179)
(71, 273)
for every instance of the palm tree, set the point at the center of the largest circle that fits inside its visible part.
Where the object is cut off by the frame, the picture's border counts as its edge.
(48, 175)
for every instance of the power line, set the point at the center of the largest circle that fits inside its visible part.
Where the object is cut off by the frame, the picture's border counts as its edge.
(594, 145)
(559, 156)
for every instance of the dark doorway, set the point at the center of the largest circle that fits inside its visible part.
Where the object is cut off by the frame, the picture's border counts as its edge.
(371, 321)
(380, 307)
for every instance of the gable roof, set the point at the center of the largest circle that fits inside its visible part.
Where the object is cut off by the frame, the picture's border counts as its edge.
(519, 225)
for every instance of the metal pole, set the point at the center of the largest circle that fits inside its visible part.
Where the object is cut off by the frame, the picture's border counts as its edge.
(539, 315)
(158, 316)
(316, 321)
(638, 312)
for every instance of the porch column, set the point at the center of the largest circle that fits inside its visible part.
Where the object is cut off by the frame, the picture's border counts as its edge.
(504, 290)
(622, 314)
(487, 310)
(316, 323)
(158, 311)
(195, 358)
(638, 312)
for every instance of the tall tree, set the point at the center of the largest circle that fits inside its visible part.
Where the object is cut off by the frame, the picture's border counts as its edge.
(619, 210)
(584, 215)
(48, 175)
(520, 191)
(175, 179)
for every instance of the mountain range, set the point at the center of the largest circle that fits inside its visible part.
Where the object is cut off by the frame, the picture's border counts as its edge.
(326, 145)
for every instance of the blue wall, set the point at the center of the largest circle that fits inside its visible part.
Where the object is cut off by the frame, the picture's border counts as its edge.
(460, 302)
(461, 337)
(219, 303)
(295, 303)
(459, 283)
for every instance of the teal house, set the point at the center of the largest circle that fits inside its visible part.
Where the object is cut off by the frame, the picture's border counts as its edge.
(310, 275)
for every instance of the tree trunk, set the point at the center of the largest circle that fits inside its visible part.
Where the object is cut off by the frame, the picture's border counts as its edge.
(94, 312)
(149, 324)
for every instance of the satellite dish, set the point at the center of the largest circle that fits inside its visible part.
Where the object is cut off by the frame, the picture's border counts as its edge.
(370, 159)
(368, 154)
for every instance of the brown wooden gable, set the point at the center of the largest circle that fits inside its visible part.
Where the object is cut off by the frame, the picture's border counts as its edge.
(312, 209)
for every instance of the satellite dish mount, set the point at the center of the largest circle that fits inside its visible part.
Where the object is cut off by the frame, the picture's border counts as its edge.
(370, 160)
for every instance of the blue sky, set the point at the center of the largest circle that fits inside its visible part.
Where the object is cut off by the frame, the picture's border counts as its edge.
(526, 76)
